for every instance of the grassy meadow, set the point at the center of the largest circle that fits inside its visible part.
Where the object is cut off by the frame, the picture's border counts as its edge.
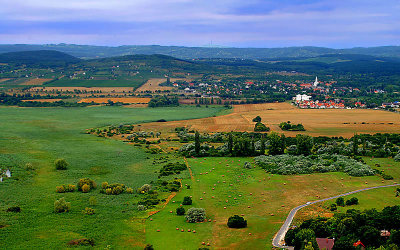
(41, 135)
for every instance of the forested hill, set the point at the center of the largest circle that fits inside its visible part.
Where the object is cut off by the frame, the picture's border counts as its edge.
(88, 51)
(38, 57)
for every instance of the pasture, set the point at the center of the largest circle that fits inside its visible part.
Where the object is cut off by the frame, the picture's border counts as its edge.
(317, 122)
(41, 135)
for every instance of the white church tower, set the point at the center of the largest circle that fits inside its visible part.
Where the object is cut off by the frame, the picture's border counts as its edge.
(316, 82)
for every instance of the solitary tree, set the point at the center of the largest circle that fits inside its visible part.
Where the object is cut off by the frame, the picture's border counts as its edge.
(197, 143)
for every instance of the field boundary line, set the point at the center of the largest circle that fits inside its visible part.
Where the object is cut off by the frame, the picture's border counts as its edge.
(280, 235)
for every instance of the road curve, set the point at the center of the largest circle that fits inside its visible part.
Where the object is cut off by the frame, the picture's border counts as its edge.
(276, 242)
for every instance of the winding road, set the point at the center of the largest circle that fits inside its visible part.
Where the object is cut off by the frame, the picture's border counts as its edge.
(279, 237)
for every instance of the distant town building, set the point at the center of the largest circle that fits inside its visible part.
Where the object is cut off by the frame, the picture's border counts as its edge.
(316, 82)
(301, 98)
(325, 243)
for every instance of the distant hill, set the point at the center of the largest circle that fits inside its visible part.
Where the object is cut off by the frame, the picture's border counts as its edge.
(91, 52)
(38, 57)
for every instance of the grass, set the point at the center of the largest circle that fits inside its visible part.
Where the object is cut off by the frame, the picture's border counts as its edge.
(281, 194)
(41, 135)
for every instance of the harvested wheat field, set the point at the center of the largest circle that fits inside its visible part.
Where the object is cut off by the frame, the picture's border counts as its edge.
(128, 100)
(317, 122)
(84, 89)
(4, 79)
(153, 85)
(36, 81)
(42, 100)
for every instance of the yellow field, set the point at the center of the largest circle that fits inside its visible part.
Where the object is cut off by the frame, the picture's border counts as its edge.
(153, 85)
(71, 89)
(36, 81)
(4, 79)
(128, 100)
(317, 122)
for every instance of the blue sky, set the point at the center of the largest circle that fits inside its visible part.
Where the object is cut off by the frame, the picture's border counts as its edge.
(233, 23)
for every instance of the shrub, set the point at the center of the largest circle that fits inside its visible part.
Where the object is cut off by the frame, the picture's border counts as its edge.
(15, 209)
(260, 127)
(145, 188)
(104, 185)
(29, 166)
(81, 242)
(352, 201)
(60, 189)
(397, 157)
(180, 211)
(195, 215)
(85, 188)
(129, 190)
(149, 247)
(257, 119)
(61, 164)
(92, 201)
(88, 182)
(187, 200)
(172, 168)
(237, 221)
(333, 207)
(340, 201)
(61, 206)
(89, 211)
(117, 190)
(108, 191)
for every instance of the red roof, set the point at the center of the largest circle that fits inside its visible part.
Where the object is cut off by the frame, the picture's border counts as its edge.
(325, 243)
(358, 243)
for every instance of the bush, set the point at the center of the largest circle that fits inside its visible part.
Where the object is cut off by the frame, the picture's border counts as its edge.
(65, 188)
(85, 188)
(108, 191)
(15, 209)
(61, 206)
(104, 185)
(129, 190)
(260, 127)
(397, 157)
(195, 215)
(141, 207)
(340, 201)
(172, 168)
(149, 247)
(89, 211)
(145, 188)
(60, 189)
(61, 164)
(237, 221)
(187, 200)
(117, 190)
(247, 165)
(257, 119)
(29, 166)
(180, 211)
(352, 201)
(87, 181)
(333, 207)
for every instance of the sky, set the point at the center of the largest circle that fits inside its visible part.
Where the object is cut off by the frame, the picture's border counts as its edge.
(230, 23)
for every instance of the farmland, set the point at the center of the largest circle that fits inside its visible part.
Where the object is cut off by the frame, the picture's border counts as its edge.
(153, 85)
(317, 122)
(129, 100)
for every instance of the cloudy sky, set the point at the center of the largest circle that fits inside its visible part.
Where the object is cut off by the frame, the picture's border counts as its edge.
(234, 23)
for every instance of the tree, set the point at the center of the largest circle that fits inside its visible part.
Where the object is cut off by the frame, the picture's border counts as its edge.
(61, 206)
(276, 144)
(352, 201)
(195, 215)
(237, 221)
(187, 200)
(257, 119)
(197, 143)
(149, 247)
(370, 236)
(395, 237)
(355, 145)
(230, 143)
(340, 201)
(262, 148)
(61, 164)
(260, 127)
(180, 211)
(304, 144)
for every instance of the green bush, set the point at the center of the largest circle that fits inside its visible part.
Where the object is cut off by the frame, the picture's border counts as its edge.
(340, 201)
(65, 188)
(89, 211)
(180, 211)
(87, 181)
(61, 164)
(85, 188)
(257, 119)
(195, 215)
(149, 247)
(333, 207)
(352, 201)
(61, 206)
(260, 127)
(187, 200)
(15, 209)
(237, 221)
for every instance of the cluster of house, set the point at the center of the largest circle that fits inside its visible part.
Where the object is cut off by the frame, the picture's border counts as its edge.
(391, 105)
(309, 104)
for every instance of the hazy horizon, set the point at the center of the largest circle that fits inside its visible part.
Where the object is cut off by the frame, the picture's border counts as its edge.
(229, 23)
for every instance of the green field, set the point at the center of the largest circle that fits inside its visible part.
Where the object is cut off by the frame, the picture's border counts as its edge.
(41, 135)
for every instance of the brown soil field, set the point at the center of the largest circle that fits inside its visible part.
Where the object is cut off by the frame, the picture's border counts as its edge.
(317, 122)
(71, 89)
(36, 81)
(117, 99)
(42, 100)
